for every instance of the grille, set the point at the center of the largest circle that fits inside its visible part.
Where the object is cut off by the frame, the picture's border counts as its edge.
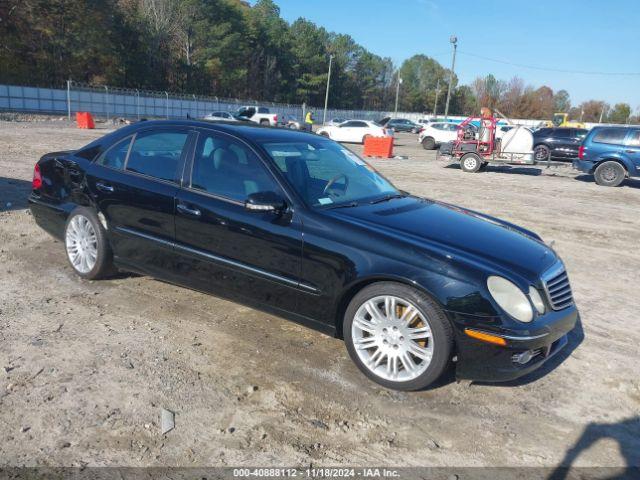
(559, 290)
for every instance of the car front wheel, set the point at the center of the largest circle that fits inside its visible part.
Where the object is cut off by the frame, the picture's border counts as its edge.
(397, 336)
(609, 174)
(428, 143)
(88, 250)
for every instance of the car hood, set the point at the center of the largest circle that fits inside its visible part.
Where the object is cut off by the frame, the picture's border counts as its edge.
(480, 238)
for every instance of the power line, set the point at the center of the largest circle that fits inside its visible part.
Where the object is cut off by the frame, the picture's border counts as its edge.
(558, 70)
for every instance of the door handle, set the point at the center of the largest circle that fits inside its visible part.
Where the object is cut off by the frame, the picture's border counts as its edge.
(104, 187)
(629, 151)
(182, 208)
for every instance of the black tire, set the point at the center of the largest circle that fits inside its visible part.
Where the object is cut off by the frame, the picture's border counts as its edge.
(265, 122)
(610, 174)
(325, 134)
(428, 143)
(541, 153)
(441, 330)
(103, 266)
(471, 162)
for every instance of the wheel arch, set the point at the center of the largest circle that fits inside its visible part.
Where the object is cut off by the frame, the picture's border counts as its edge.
(353, 289)
(612, 159)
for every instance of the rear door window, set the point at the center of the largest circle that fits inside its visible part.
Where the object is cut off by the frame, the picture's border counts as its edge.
(157, 153)
(634, 138)
(115, 156)
(610, 135)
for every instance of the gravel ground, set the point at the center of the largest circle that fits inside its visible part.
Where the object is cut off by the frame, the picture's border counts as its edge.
(86, 367)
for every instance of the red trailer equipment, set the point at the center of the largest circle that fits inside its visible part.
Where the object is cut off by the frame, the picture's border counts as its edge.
(476, 149)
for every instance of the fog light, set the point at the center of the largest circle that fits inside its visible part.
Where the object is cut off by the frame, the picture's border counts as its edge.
(523, 357)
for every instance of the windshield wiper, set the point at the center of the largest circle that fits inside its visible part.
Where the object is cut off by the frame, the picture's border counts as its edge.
(343, 205)
(386, 198)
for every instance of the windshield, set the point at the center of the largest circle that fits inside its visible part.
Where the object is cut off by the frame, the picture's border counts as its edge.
(325, 174)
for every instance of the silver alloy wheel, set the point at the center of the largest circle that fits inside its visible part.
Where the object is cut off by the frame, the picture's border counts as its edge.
(470, 163)
(392, 338)
(81, 243)
(609, 173)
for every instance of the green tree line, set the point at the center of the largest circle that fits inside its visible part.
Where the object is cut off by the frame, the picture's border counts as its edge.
(229, 48)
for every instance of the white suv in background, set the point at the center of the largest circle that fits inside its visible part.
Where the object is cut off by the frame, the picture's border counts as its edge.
(437, 133)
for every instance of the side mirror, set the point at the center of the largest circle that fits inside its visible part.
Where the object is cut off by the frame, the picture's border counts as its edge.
(265, 202)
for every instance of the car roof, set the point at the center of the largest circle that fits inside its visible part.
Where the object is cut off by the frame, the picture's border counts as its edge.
(243, 130)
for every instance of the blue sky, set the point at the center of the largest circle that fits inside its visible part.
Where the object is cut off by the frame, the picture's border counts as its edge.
(587, 35)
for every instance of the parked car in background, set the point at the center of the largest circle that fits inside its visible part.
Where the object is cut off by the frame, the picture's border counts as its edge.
(336, 121)
(611, 154)
(435, 134)
(221, 116)
(354, 131)
(290, 121)
(402, 125)
(296, 225)
(561, 142)
(260, 115)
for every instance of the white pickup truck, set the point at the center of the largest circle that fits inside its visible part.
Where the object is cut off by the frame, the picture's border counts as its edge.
(257, 114)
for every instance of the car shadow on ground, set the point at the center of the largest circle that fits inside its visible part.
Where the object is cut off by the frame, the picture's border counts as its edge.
(574, 339)
(625, 433)
(629, 182)
(14, 194)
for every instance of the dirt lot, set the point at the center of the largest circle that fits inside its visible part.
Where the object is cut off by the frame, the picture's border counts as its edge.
(85, 367)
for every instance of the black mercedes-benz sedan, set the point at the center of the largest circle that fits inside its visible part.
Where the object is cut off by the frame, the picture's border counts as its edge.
(297, 225)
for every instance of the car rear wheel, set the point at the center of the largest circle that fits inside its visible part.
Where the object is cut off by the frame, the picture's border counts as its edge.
(610, 174)
(541, 152)
(428, 143)
(470, 162)
(264, 122)
(325, 134)
(88, 250)
(397, 336)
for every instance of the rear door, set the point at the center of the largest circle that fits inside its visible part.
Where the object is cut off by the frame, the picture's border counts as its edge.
(134, 184)
(632, 150)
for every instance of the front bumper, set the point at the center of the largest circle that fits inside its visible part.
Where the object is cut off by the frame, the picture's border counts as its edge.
(585, 166)
(481, 361)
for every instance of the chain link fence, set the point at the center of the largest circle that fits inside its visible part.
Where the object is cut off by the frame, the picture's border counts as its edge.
(109, 103)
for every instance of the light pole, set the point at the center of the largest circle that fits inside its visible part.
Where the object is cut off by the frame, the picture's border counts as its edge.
(326, 96)
(435, 104)
(397, 93)
(454, 40)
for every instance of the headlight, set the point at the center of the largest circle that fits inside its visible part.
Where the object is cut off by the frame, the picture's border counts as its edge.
(536, 299)
(510, 298)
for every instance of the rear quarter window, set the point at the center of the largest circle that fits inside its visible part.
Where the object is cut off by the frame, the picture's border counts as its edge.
(613, 136)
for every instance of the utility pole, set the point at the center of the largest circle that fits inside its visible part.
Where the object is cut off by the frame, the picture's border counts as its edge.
(435, 104)
(454, 41)
(397, 94)
(69, 99)
(326, 97)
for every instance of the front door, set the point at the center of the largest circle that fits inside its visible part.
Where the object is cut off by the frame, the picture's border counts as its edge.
(134, 184)
(223, 247)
